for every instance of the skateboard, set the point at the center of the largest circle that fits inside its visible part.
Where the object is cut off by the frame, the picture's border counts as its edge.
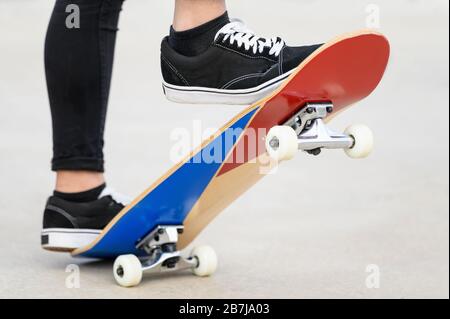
(149, 234)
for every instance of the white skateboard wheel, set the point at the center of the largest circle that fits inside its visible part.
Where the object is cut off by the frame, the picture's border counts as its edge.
(207, 261)
(363, 141)
(282, 143)
(127, 270)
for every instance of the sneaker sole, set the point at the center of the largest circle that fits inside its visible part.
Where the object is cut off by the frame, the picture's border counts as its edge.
(60, 239)
(200, 95)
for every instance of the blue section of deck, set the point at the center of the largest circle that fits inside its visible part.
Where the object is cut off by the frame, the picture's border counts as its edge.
(171, 201)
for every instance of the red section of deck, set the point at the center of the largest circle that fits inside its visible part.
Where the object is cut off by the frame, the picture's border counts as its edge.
(343, 72)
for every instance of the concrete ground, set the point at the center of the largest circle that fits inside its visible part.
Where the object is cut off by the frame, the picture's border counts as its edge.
(321, 227)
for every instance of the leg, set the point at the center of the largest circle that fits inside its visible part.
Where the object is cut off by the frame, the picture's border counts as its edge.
(192, 13)
(78, 66)
(77, 181)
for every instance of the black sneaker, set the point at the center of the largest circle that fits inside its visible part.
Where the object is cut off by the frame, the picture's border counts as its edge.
(238, 68)
(69, 225)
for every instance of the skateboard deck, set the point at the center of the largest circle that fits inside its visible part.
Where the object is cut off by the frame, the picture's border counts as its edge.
(194, 191)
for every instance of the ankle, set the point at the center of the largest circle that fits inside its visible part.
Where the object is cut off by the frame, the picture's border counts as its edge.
(191, 14)
(196, 40)
(77, 181)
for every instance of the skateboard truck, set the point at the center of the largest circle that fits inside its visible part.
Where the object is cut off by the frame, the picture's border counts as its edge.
(160, 245)
(307, 131)
(161, 255)
(313, 134)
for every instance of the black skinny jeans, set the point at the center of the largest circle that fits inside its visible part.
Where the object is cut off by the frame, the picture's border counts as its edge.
(78, 65)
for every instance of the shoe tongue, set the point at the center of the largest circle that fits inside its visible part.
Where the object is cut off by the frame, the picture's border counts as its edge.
(119, 198)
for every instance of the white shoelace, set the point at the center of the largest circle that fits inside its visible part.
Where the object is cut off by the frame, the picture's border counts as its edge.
(237, 31)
